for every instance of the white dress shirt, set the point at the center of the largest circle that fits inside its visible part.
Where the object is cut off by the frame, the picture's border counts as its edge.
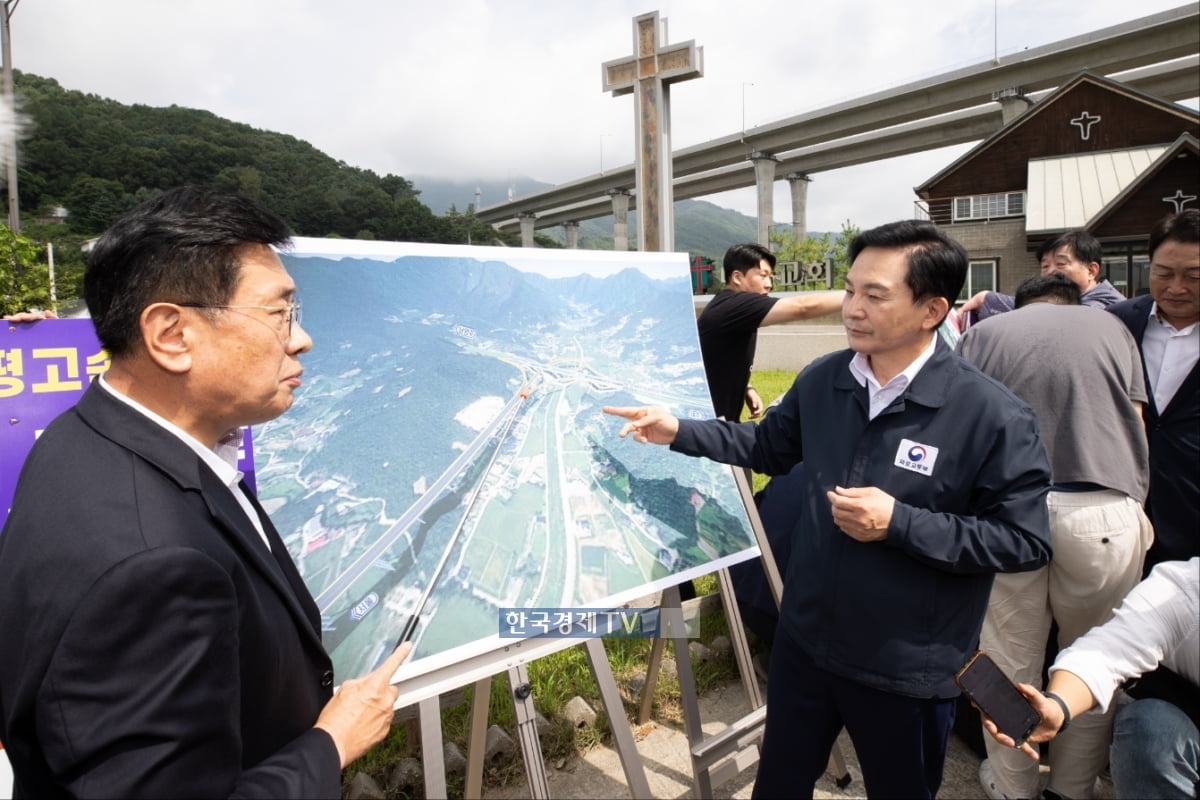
(1157, 623)
(1170, 353)
(882, 396)
(223, 465)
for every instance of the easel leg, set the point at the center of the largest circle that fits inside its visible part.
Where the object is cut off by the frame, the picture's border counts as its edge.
(635, 772)
(652, 667)
(531, 748)
(480, 700)
(429, 713)
(701, 783)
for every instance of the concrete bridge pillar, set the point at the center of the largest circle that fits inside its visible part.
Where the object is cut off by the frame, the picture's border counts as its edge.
(1013, 103)
(764, 179)
(799, 183)
(572, 229)
(620, 203)
(526, 218)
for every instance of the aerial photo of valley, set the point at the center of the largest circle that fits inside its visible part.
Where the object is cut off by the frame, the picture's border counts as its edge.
(447, 456)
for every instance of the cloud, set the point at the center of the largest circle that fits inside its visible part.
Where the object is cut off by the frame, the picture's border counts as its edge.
(476, 89)
(8, 130)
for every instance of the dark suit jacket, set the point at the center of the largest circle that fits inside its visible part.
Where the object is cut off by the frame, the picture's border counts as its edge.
(150, 645)
(1174, 434)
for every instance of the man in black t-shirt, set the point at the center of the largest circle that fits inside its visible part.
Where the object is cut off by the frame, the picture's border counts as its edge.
(729, 326)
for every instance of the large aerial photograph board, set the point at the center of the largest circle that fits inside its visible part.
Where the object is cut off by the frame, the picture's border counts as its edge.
(447, 456)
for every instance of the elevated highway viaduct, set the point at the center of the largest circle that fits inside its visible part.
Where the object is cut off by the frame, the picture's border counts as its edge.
(1158, 54)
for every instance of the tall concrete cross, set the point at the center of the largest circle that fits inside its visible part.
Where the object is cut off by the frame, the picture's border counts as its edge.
(650, 71)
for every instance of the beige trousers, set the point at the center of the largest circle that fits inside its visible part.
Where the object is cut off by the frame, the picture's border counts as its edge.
(1099, 542)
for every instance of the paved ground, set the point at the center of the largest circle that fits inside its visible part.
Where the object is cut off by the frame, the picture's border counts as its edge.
(791, 347)
(664, 755)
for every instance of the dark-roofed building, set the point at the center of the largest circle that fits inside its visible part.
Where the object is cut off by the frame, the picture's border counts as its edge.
(1093, 155)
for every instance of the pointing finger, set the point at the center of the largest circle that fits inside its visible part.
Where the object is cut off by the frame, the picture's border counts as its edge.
(388, 668)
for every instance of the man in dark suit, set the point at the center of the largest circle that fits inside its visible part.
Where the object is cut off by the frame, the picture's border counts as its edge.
(156, 640)
(1166, 325)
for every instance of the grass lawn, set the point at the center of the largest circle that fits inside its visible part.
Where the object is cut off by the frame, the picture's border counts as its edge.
(770, 384)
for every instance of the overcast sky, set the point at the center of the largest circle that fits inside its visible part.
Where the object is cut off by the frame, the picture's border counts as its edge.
(498, 89)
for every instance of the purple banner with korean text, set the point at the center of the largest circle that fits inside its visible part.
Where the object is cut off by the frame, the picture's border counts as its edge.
(44, 369)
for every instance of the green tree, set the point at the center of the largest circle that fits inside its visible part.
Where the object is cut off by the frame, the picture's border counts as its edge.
(811, 249)
(827, 246)
(542, 240)
(69, 260)
(24, 283)
(244, 180)
(94, 204)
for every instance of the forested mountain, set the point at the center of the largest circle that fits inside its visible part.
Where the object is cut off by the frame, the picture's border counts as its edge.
(701, 228)
(97, 158)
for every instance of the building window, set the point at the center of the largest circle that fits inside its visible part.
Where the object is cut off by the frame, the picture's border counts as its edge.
(1127, 268)
(981, 276)
(989, 206)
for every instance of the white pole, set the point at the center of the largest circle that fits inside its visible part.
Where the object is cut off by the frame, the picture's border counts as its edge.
(53, 291)
(744, 85)
(10, 154)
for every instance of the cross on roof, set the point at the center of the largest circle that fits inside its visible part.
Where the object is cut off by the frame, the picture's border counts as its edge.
(650, 71)
(1084, 122)
(1179, 200)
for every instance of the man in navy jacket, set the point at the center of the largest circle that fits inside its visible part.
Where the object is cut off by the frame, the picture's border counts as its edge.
(1165, 323)
(922, 479)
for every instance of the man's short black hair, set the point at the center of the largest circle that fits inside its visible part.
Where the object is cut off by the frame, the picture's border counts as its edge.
(1052, 288)
(1182, 227)
(179, 247)
(937, 265)
(745, 257)
(1083, 246)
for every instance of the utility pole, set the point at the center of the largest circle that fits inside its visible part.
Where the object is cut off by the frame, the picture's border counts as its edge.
(10, 146)
(53, 288)
(744, 85)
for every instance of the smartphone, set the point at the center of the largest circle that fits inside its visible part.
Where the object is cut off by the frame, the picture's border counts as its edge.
(994, 694)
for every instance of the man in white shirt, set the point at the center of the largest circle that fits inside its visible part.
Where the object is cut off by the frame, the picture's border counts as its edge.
(1156, 744)
(1166, 325)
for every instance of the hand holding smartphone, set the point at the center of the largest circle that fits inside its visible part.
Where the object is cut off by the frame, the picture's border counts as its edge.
(986, 685)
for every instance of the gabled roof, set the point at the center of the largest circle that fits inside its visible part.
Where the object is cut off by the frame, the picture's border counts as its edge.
(1065, 192)
(1184, 147)
(1025, 125)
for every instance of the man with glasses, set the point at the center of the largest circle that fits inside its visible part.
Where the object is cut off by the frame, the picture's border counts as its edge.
(155, 637)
